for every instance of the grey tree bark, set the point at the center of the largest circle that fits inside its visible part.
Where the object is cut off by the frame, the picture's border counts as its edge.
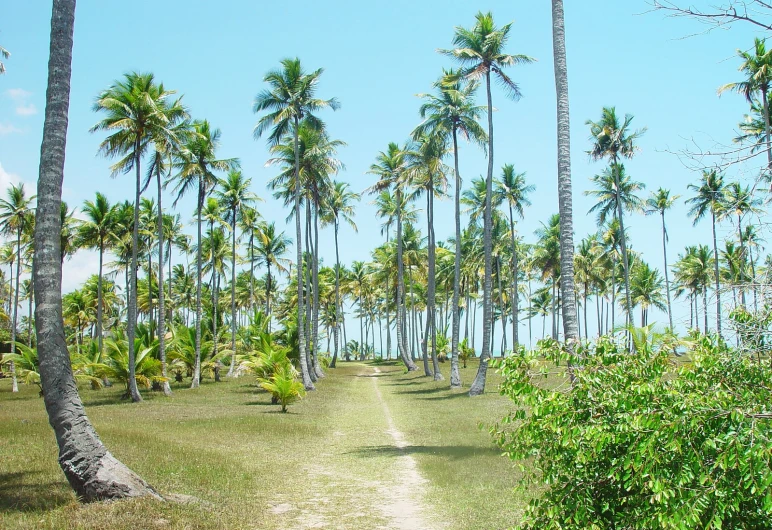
(304, 372)
(132, 316)
(455, 374)
(401, 337)
(161, 315)
(667, 275)
(717, 277)
(336, 326)
(14, 380)
(431, 306)
(197, 366)
(565, 204)
(231, 369)
(90, 469)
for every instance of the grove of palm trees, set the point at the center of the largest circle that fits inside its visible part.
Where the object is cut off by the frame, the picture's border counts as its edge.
(467, 302)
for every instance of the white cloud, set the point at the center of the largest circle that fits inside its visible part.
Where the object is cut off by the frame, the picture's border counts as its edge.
(26, 110)
(18, 95)
(7, 128)
(78, 269)
(6, 179)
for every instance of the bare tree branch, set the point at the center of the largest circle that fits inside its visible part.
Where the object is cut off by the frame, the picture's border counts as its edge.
(756, 12)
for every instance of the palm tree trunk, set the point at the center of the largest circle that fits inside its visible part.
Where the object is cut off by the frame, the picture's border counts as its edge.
(705, 305)
(554, 309)
(231, 369)
(132, 317)
(401, 311)
(667, 278)
(15, 308)
(309, 296)
(315, 321)
(161, 314)
(765, 102)
(197, 365)
(304, 373)
(387, 302)
(90, 469)
(623, 242)
(742, 253)
(336, 327)
(252, 271)
(478, 386)
(715, 271)
(455, 374)
(515, 294)
(100, 301)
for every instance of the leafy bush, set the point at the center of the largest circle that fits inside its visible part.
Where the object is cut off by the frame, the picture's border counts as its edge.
(115, 362)
(284, 386)
(465, 352)
(642, 441)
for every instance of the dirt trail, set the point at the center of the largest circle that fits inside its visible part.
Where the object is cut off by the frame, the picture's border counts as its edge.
(402, 505)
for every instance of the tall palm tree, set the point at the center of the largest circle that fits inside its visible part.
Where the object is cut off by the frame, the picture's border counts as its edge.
(646, 290)
(97, 231)
(739, 201)
(340, 205)
(757, 68)
(137, 113)
(659, 202)
(16, 216)
(249, 223)
(450, 113)
(235, 197)
(289, 100)
(565, 191)
(389, 168)
(512, 190)
(694, 270)
(480, 51)
(270, 248)
(90, 469)
(196, 164)
(613, 140)
(708, 198)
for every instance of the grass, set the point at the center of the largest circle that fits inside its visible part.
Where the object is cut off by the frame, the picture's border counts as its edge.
(328, 463)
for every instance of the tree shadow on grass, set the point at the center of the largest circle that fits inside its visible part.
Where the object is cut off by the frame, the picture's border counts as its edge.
(21, 492)
(458, 452)
(260, 404)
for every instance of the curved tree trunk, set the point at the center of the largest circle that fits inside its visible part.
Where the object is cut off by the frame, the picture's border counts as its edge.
(90, 469)
(197, 366)
(315, 322)
(161, 314)
(455, 374)
(304, 374)
(478, 386)
(565, 205)
(309, 295)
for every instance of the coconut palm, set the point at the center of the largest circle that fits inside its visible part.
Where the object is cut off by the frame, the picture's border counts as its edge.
(613, 140)
(693, 271)
(138, 112)
(90, 469)
(234, 195)
(271, 246)
(249, 224)
(739, 201)
(389, 168)
(340, 206)
(512, 190)
(196, 165)
(16, 216)
(757, 69)
(646, 290)
(97, 231)
(708, 198)
(480, 51)
(659, 202)
(289, 100)
(450, 113)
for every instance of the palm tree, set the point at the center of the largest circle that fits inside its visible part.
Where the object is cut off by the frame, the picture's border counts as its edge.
(659, 202)
(709, 196)
(249, 224)
(757, 68)
(96, 231)
(290, 100)
(90, 469)
(565, 204)
(16, 216)
(512, 189)
(5, 54)
(270, 248)
(613, 140)
(138, 113)
(235, 197)
(196, 165)
(340, 205)
(450, 113)
(693, 271)
(646, 290)
(739, 201)
(480, 51)
(389, 168)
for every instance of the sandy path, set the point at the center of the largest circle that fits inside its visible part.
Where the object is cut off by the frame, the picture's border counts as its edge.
(400, 503)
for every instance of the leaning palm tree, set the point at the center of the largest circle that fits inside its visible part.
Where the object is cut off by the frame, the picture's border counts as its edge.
(613, 140)
(235, 197)
(389, 168)
(565, 202)
(138, 112)
(90, 469)
(289, 100)
(97, 231)
(16, 217)
(480, 51)
(659, 202)
(339, 205)
(196, 164)
(709, 198)
(450, 113)
(512, 190)
(757, 68)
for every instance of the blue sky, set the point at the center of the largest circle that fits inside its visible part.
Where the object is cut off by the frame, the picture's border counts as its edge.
(377, 56)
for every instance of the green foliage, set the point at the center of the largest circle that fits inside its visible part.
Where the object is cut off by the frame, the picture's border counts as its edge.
(641, 441)
(25, 362)
(465, 352)
(284, 386)
(266, 359)
(115, 363)
(753, 329)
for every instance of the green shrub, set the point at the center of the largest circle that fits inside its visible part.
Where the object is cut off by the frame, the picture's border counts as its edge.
(284, 386)
(642, 441)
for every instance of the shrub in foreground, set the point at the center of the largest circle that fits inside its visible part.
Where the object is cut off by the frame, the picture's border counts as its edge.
(644, 440)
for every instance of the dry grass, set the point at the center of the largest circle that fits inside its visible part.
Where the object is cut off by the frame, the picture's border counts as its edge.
(327, 464)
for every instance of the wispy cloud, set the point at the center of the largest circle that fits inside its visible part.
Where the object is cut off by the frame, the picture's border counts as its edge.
(26, 110)
(20, 97)
(7, 128)
(6, 178)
